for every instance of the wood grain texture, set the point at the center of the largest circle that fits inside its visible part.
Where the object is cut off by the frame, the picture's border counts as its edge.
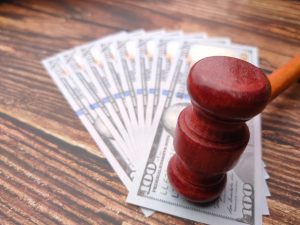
(50, 175)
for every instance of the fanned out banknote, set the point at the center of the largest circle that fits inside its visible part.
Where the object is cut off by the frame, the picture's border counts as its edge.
(128, 89)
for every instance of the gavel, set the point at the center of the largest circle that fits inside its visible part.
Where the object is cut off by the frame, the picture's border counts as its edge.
(212, 133)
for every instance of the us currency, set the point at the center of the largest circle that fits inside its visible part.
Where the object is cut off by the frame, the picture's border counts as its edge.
(97, 98)
(144, 61)
(239, 202)
(126, 54)
(94, 57)
(123, 81)
(104, 67)
(124, 94)
(125, 57)
(91, 64)
(125, 51)
(129, 63)
(154, 77)
(124, 168)
(167, 48)
(95, 125)
(134, 65)
(196, 52)
(146, 48)
(95, 62)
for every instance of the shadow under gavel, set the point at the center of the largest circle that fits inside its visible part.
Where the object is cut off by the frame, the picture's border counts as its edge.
(211, 133)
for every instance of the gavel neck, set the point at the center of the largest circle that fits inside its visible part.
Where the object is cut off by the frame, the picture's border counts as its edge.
(214, 130)
(215, 117)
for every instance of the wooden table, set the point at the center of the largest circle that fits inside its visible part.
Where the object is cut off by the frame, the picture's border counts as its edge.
(51, 171)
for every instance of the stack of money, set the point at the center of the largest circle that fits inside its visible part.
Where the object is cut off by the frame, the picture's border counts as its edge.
(128, 89)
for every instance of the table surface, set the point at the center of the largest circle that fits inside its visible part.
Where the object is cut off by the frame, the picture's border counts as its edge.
(51, 171)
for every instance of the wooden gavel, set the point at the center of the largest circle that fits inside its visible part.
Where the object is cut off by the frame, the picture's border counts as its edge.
(211, 133)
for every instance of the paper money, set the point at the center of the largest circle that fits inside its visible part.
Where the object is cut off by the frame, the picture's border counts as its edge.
(95, 64)
(101, 134)
(159, 63)
(151, 189)
(95, 126)
(123, 81)
(165, 50)
(127, 89)
(96, 97)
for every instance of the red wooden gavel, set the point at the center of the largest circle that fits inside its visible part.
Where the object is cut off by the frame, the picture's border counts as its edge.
(211, 133)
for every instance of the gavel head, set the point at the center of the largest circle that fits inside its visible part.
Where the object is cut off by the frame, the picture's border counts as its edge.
(211, 134)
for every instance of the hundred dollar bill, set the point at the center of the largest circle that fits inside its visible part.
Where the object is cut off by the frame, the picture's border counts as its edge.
(154, 76)
(146, 54)
(104, 75)
(123, 82)
(125, 59)
(95, 63)
(126, 55)
(144, 59)
(92, 122)
(101, 134)
(130, 62)
(97, 98)
(103, 65)
(240, 201)
(167, 48)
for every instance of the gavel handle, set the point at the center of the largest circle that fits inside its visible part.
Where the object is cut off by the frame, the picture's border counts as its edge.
(283, 77)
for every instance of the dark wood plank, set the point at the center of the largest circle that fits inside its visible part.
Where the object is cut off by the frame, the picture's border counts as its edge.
(50, 175)
(281, 149)
(250, 23)
(46, 180)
